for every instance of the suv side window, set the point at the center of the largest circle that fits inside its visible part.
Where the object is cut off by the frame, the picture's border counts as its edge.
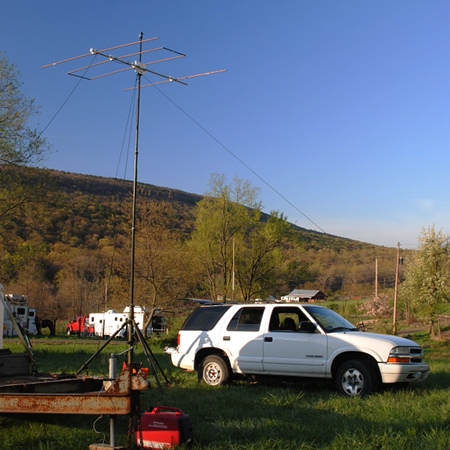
(246, 319)
(285, 318)
(204, 318)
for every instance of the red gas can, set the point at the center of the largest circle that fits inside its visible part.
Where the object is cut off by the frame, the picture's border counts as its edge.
(164, 428)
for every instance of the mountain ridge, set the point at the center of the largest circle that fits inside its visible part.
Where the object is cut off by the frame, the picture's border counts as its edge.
(121, 189)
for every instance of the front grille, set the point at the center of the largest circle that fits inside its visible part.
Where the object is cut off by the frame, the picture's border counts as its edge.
(416, 354)
(416, 351)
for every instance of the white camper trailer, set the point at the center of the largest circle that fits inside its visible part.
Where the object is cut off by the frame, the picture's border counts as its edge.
(23, 314)
(107, 323)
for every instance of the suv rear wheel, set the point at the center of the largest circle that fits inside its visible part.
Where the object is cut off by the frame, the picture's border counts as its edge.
(356, 378)
(214, 370)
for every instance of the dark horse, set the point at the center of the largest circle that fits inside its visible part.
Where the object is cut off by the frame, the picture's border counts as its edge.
(45, 323)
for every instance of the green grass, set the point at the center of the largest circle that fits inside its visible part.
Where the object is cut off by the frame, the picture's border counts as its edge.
(250, 416)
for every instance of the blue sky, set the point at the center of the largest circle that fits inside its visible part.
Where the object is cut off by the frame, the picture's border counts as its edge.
(337, 109)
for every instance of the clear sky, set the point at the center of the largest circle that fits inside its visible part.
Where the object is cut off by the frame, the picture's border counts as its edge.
(337, 109)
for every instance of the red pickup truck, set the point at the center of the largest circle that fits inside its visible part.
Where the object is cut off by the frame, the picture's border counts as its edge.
(80, 326)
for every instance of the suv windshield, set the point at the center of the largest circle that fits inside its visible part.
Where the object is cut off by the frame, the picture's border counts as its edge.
(329, 320)
(204, 318)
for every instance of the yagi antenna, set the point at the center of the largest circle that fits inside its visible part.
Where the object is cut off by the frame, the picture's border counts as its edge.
(104, 50)
(124, 56)
(140, 68)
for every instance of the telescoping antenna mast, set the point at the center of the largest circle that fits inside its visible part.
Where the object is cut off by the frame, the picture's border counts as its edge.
(140, 68)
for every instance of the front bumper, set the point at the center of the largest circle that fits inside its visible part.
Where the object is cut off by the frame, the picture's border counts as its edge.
(403, 373)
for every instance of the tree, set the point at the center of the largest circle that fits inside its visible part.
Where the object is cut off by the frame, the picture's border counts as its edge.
(259, 257)
(378, 307)
(19, 144)
(427, 276)
(80, 281)
(221, 218)
(231, 241)
(160, 275)
(160, 267)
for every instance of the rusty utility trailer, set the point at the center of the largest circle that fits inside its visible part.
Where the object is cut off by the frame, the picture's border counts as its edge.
(24, 391)
(77, 395)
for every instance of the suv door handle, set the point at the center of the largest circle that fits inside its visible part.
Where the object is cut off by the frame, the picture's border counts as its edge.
(226, 338)
(268, 339)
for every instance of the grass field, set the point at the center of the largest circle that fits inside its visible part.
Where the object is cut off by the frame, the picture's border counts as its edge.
(245, 415)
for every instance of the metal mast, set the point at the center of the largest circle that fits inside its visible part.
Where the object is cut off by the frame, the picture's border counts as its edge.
(140, 68)
(133, 220)
(133, 331)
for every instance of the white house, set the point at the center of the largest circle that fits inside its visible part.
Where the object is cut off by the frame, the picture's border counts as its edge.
(304, 295)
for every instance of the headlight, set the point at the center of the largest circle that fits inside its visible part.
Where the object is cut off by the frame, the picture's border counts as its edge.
(405, 355)
(400, 351)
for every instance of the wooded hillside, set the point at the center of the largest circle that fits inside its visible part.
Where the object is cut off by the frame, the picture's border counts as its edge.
(68, 248)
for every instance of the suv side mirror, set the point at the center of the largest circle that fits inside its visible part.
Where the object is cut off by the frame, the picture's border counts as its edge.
(307, 327)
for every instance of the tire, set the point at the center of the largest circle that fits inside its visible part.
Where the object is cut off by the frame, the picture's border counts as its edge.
(214, 370)
(356, 378)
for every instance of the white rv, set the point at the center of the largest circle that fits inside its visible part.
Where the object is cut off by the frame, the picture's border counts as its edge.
(23, 314)
(107, 323)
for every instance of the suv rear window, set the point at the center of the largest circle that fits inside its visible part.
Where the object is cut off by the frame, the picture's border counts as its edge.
(246, 319)
(204, 318)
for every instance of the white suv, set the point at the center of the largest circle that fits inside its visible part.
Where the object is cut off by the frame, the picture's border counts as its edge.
(304, 340)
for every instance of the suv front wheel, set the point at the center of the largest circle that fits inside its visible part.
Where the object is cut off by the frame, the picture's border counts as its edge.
(356, 378)
(214, 370)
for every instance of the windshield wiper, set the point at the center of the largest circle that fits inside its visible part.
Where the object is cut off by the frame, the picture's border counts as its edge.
(342, 329)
